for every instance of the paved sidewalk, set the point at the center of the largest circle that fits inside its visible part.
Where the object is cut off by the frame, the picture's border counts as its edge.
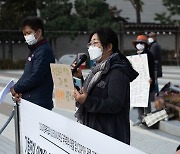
(7, 138)
(152, 141)
(7, 146)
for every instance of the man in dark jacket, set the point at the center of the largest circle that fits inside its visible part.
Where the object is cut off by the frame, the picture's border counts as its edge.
(142, 48)
(36, 84)
(155, 49)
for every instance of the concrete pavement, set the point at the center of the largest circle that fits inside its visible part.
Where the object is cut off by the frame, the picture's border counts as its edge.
(151, 141)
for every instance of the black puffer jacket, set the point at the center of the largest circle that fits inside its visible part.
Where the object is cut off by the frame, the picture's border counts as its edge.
(36, 84)
(108, 102)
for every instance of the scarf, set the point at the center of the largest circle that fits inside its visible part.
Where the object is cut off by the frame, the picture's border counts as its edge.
(93, 77)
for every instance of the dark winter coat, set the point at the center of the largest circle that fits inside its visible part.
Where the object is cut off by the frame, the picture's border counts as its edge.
(36, 84)
(155, 49)
(108, 102)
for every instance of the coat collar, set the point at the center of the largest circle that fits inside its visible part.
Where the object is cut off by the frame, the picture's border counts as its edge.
(33, 47)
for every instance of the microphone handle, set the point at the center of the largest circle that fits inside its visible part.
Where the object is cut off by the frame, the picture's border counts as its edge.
(75, 68)
(80, 61)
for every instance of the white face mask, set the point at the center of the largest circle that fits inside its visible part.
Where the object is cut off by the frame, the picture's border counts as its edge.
(30, 39)
(140, 46)
(150, 40)
(95, 53)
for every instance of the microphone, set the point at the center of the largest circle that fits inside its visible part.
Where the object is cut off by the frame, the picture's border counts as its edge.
(81, 60)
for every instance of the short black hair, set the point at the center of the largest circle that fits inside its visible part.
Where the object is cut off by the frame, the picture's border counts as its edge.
(34, 22)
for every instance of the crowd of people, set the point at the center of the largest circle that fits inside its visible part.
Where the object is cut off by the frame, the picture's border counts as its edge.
(104, 101)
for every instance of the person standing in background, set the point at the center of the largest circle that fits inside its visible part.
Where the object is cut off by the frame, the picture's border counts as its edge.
(36, 84)
(155, 49)
(141, 46)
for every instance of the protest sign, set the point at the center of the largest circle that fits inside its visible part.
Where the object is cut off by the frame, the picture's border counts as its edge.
(139, 88)
(63, 83)
(46, 132)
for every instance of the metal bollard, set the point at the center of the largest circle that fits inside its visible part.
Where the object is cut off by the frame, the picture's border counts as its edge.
(15, 113)
(17, 127)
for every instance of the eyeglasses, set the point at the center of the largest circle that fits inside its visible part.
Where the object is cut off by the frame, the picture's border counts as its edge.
(140, 43)
(92, 44)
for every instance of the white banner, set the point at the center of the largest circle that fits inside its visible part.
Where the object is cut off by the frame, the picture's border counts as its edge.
(46, 132)
(139, 88)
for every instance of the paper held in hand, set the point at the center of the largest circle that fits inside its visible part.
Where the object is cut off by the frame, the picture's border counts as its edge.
(6, 90)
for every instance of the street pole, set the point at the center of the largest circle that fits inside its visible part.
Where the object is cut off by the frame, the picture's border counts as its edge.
(121, 37)
(17, 127)
(14, 113)
(177, 44)
(1, 12)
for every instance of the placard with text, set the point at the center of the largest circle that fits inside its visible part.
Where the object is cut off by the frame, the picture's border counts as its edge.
(139, 88)
(63, 86)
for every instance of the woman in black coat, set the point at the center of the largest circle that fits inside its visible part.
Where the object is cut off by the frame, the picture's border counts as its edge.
(104, 102)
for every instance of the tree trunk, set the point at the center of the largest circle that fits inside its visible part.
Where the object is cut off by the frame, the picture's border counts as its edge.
(138, 14)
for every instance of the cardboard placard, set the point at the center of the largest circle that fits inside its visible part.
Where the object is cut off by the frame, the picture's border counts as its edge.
(63, 86)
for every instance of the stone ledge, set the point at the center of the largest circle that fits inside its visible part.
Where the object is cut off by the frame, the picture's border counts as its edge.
(171, 127)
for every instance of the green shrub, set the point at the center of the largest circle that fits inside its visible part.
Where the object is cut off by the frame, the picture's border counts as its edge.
(9, 64)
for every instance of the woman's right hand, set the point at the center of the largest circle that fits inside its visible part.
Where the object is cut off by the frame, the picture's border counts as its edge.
(77, 73)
